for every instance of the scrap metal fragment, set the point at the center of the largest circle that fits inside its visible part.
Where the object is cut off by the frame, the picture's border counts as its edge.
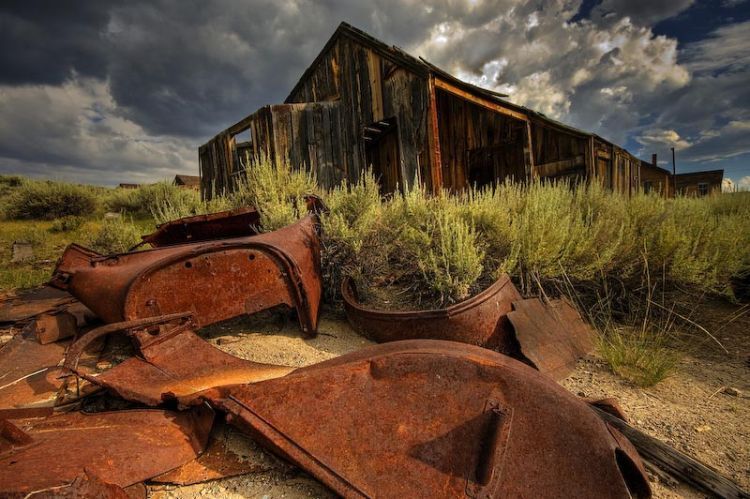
(27, 304)
(88, 486)
(551, 337)
(218, 461)
(222, 225)
(64, 322)
(480, 320)
(173, 363)
(215, 280)
(426, 418)
(122, 448)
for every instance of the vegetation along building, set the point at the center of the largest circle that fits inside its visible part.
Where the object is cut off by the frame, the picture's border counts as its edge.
(363, 103)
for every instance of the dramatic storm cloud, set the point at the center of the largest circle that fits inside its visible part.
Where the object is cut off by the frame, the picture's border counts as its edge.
(115, 91)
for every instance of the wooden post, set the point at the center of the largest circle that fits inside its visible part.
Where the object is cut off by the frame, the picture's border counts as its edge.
(674, 462)
(528, 155)
(433, 133)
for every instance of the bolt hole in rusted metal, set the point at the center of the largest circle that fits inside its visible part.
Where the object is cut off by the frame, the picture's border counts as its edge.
(188, 265)
(251, 257)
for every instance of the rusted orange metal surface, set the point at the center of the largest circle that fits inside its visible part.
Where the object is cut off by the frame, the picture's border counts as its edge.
(122, 448)
(173, 363)
(426, 418)
(215, 280)
(480, 320)
(222, 225)
(89, 486)
(551, 337)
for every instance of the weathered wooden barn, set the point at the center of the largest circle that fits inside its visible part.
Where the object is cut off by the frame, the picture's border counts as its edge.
(363, 103)
(703, 183)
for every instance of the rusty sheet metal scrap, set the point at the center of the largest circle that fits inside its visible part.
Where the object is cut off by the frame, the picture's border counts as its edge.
(222, 225)
(215, 280)
(551, 337)
(173, 363)
(31, 303)
(122, 448)
(89, 486)
(480, 320)
(425, 418)
(31, 376)
(64, 322)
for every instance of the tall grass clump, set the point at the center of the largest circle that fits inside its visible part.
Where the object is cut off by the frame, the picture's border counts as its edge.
(36, 200)
(116, 235)
(163, 201)
(277, 190)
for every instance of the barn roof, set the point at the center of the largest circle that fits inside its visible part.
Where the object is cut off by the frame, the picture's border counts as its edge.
(189, 180)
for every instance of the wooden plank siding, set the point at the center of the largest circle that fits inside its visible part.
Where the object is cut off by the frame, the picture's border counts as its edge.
(371, 88)
(363, 102)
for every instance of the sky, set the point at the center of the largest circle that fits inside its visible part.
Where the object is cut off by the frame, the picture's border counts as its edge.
(112, 91)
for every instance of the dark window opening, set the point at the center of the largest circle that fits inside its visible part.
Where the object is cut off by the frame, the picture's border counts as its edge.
(382, 153)
(647, 186)
(703, 189)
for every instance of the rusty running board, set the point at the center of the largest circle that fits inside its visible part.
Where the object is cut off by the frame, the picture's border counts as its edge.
(418, 418)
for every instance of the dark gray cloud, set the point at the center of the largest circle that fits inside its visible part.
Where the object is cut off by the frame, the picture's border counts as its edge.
(132, 88)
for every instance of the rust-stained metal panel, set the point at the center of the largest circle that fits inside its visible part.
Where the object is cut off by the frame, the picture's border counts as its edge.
(480, 320)
(222, 225)
(121, 448)
(219, 460)
(28, 304)
(215, 280)
(551, 337)
(88, 486)
(64, 322)
(426, 418)
(173, 363)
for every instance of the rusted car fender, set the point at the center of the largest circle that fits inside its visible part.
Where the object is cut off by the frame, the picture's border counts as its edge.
(427, 418)
(214, 280)
(480, 320)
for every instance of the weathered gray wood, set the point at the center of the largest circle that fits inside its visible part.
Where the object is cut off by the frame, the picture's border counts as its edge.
(679, 465)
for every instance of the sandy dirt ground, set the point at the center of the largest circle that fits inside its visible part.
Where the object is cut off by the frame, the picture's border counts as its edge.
(703, 409)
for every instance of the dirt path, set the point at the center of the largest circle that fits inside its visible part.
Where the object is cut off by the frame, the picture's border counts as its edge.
(688, 410)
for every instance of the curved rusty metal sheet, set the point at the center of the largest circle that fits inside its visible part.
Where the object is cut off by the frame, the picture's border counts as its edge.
(173, 363)
(28, 304)
(551, 337)
(214, 280)
(480, 320)
(122, 448)
(222, 225)
(425, 418)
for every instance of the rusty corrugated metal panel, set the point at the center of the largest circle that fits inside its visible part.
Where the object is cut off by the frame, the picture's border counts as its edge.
(173, 363)
(121, 448)
(222, 225)
(427, 418)
(215, 280)
(551, 337)
(480, 320)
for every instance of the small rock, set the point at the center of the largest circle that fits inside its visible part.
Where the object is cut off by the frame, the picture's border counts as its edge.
(582, 394)
(112, 216)
(731, 391)
(703, 428)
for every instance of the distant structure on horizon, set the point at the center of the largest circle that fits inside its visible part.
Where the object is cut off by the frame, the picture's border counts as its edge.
(363, 103)
(188, 181)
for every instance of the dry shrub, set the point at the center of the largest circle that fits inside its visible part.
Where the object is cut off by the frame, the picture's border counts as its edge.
(116, 235)
(50, 200)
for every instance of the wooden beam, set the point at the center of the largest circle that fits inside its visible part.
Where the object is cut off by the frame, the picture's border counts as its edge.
(481, 101)
(679, 465)
(436, 165)
(560, 166)
(528, 155)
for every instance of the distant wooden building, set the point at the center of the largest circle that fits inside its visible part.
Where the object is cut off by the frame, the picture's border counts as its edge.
(699, 183)
(188, 181)
(363, 103)
(655, 179)
(128, 186)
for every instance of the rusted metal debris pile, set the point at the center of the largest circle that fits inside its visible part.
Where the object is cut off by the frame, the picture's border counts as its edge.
(446, 411)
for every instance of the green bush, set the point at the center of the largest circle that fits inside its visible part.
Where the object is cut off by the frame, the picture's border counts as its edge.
(277, 191)
(50, 200)
(116, 235)
(66, 224)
